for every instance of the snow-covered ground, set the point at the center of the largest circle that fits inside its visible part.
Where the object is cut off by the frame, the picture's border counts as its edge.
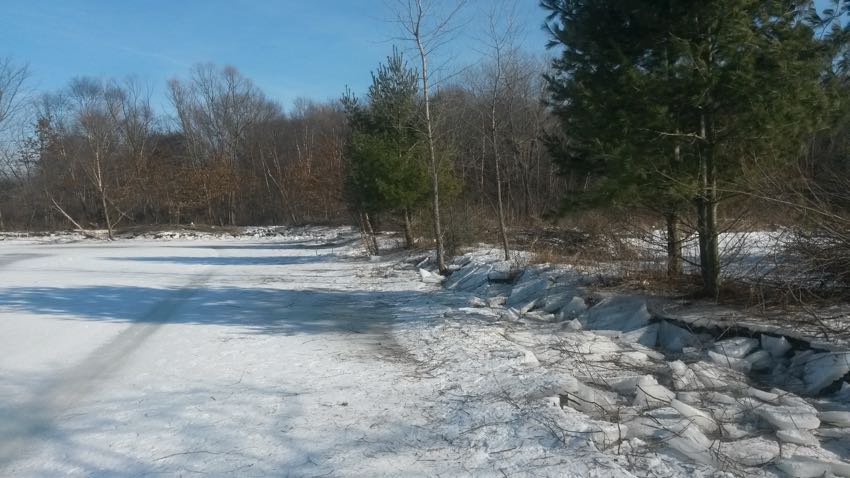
(662, 386)
(286, 353)
(251, 357)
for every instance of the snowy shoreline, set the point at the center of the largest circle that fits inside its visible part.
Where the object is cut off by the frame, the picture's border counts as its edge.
(695, 388)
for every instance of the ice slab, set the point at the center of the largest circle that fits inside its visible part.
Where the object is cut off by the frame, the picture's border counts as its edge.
(736, 347)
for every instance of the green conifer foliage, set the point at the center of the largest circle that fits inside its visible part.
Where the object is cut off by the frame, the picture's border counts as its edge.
(387, 171)
(673, 103)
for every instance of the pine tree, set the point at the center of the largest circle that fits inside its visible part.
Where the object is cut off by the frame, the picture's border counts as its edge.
(677, 101)
(387, 171)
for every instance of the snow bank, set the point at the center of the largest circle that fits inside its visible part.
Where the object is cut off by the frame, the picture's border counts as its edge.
(694, 399)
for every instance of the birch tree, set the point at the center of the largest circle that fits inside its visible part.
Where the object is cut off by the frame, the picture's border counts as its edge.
(428, 25)
(500, 42)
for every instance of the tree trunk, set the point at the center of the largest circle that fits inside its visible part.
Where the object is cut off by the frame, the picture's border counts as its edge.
(101, 189)
(370, 235)
(408, 231)
(709, 250)
(674, 245)
(209, 199)
(106, 215)
(435, 168)
(708, 245)
(500, 206)
(231, 206)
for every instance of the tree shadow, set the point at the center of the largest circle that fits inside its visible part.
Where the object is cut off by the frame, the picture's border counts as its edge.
(256, 310)
(9, 259)
(201, 429)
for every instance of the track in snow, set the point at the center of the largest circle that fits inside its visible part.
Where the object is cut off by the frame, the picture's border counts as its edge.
(192, 357)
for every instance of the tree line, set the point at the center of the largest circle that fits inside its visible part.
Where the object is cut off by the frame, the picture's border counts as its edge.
(96, 153)
(677, 108)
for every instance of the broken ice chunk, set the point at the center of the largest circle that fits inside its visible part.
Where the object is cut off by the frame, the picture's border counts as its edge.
(777, 347)
(527, 290)
(695, 415)
(647, 336)
(740, 365)
(683, 377)
(838, 418)
(803, 467)
(797, 437)
(430, 277)
(623, 313)
(754, 451)
(760, 360)
(673, 338)
(824, 369)
(476, 302)
(573, 309)
(762, 395)
(737, 347)
(785, 418)
(650, 394)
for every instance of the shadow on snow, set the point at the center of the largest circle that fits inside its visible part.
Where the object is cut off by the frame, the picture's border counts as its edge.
(264, 311)
(229, 261)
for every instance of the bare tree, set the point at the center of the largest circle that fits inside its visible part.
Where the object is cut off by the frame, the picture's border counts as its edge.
(216, 108)
(501, 36)
(428, 27)
(12, 79)
(95, 123)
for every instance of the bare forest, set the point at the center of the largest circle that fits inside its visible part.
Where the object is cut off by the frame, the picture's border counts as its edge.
(97, 155)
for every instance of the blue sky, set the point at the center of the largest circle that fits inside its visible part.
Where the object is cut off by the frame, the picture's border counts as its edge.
(290, 48)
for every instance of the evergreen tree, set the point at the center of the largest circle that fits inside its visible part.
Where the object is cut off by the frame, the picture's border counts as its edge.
(387, 171)
(677, 101)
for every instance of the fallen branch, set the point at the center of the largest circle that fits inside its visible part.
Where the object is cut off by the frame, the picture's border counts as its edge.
(80, 228)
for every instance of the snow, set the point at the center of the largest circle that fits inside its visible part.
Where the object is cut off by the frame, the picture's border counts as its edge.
(223, 357)
(286, 352)
(672, 386)
(430, 277)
